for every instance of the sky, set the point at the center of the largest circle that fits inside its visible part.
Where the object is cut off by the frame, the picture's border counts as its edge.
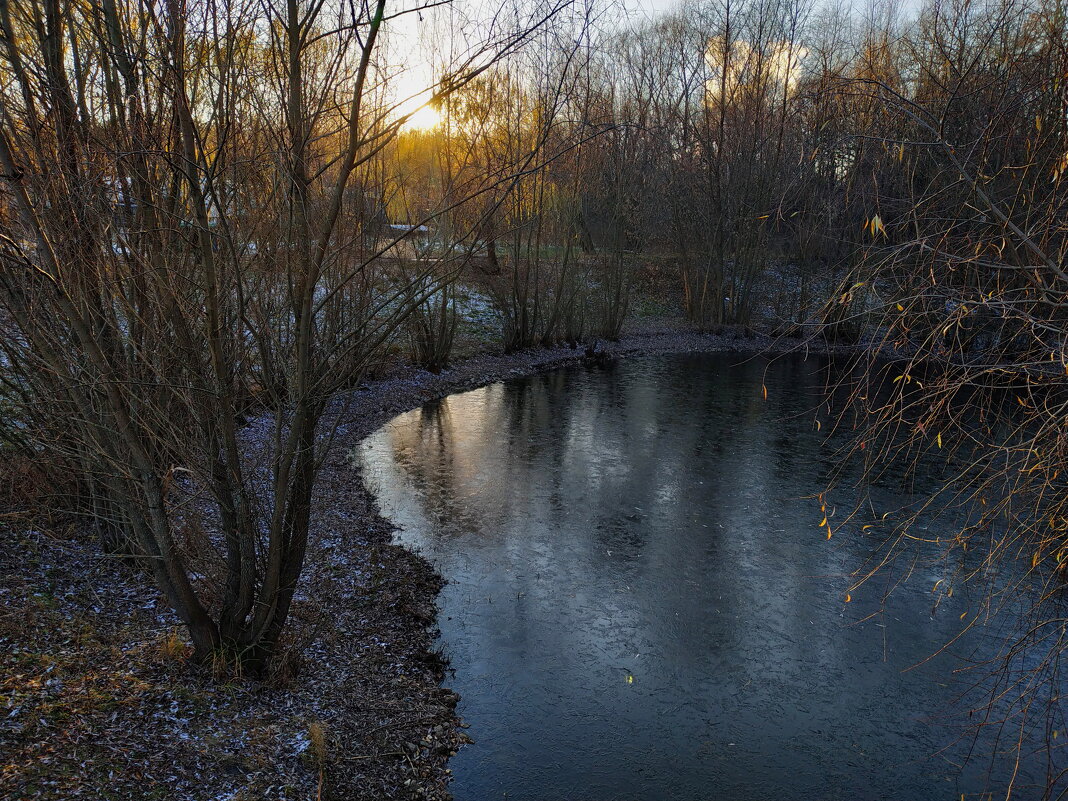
(408, 31)
(404, 41)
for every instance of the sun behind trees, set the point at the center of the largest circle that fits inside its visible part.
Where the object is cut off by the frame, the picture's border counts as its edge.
(190, 188)
(216, 213)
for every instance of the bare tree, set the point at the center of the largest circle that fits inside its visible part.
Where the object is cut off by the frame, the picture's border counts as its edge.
(961, 136)
(181, 173)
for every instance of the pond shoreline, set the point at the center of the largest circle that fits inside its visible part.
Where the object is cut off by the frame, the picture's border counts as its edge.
(367, 714)
(406, 388)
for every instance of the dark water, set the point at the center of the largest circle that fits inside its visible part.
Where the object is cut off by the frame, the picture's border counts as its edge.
(642, 604)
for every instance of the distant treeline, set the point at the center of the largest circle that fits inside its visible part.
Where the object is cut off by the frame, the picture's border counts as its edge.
(213, 211)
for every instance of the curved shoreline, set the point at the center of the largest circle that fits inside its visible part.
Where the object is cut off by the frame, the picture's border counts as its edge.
(375, 404)
(366, 716)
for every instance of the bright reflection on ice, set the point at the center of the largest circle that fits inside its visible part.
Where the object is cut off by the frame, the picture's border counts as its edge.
(641, 604)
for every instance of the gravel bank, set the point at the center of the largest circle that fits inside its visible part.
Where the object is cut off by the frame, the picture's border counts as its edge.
(364, 717)
(342, 495)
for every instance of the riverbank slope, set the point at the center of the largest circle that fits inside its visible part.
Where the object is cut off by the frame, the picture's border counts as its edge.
(99, 701)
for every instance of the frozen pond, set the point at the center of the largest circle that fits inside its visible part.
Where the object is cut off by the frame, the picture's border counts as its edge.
(642, 605)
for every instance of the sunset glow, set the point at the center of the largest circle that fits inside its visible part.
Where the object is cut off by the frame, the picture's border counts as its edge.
(423, 115)
(423, 119)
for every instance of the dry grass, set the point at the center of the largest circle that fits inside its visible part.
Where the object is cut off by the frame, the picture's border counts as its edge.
(98, 700)
(173, 647)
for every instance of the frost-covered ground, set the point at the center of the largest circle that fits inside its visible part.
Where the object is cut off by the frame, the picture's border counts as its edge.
(98, 702)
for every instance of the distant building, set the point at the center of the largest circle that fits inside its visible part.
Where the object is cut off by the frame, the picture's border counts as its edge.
(414, 239)
(417, 230)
